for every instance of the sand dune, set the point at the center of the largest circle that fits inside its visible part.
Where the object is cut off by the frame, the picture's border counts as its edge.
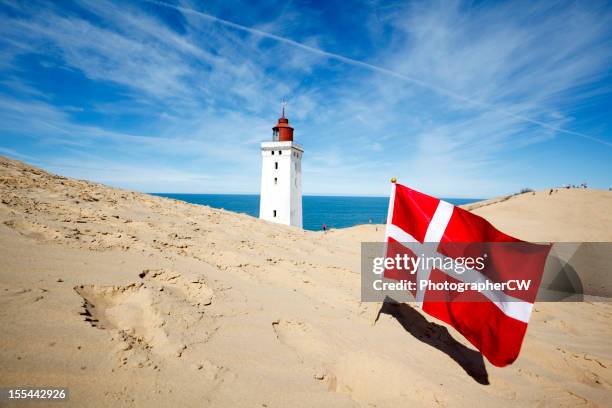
(134, 300)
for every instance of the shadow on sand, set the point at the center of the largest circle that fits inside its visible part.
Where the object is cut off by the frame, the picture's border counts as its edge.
(438, 336)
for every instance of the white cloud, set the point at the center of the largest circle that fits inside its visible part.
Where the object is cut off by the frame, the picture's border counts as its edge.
(457, 89)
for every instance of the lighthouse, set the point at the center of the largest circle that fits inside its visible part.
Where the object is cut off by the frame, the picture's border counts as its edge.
(281, 176)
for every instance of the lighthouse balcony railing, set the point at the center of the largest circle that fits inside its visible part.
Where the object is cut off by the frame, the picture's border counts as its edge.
(271, 144)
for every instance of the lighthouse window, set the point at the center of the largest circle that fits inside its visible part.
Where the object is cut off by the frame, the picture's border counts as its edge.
(274, 213)
(276, 165)
(275, 180)
(280, 152)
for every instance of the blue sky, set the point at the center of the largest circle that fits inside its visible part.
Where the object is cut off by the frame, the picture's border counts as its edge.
(457, 99)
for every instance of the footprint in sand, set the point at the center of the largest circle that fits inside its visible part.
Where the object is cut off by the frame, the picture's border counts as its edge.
(299, 336)
(339, 366)
(194, 291)
(156, 318)
(309, 346)
(128, 310)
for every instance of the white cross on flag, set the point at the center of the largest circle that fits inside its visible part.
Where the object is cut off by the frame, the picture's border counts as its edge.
(495, 321)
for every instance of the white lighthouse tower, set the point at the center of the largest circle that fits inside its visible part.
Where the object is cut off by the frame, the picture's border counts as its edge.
(281, 177)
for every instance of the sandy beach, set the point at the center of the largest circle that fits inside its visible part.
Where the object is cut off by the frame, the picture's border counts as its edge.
(134, 300)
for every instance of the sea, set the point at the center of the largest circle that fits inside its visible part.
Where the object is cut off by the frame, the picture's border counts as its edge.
(333, 211)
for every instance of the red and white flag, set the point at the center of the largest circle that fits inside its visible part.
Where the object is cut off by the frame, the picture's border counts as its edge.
(494, 321)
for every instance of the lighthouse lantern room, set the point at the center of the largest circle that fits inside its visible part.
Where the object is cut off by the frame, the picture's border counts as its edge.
(281, 176)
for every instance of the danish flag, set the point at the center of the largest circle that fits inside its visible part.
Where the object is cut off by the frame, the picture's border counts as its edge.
(494, 321)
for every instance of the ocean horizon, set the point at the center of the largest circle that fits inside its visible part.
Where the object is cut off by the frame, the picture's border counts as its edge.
(333, 211)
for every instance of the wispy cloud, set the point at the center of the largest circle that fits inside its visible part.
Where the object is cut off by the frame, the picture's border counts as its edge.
(489, 44)
(454, 98)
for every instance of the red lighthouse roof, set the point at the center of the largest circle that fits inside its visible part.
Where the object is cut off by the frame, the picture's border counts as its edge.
(282, 132)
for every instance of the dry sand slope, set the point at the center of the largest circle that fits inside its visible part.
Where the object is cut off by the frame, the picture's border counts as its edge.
(135, 300)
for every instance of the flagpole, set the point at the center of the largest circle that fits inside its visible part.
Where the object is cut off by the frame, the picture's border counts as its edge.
(379, 306)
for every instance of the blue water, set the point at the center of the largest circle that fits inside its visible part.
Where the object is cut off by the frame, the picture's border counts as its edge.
(335, 212)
